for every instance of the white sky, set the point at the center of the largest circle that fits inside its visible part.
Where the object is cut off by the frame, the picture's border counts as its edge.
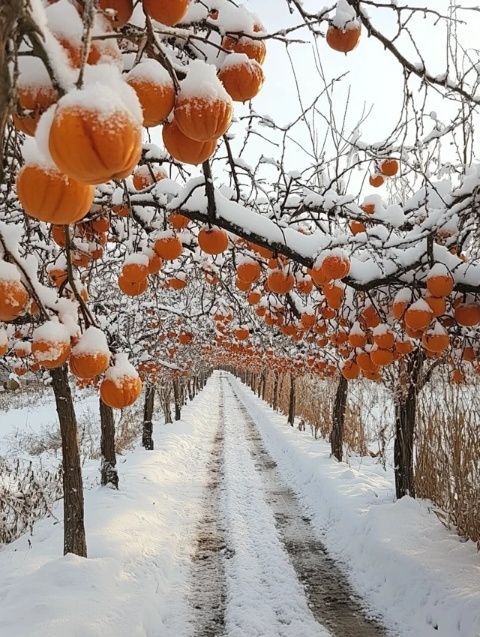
(374, 77)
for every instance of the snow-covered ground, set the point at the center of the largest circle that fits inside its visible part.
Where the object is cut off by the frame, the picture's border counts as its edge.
(139, 543)
(407, 565)
(39, 416)
(143, 539)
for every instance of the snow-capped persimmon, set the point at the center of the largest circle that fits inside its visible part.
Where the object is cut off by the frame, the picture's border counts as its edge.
(369, 316)
(154, 262)
(345, 39)
(168, 12)
(184, 149)
(365, 362)
(51, 345)
(439, 281)
(350, 369)
(383, 336)
(376, 180)
(334, 293)
(48, 195)
(242, 333)
(437, 304)
(254, 48)
(168, 246)
(388, 167)
(418, 316)
(242, 77)
(213, 240)
(145, 176)
(400, 303)
(404, 346)
(155, 90)
(331, 265)
(13, 295)
(203, 109)
(280, 281)
(90, 356)
(435, 339)
(357, 337)
(58, 275)
(132, 288)
(254, 297)
(34, 101)
(249, 270)
(357, 227)
(177, 220)
(135, 268)
(94, 137)
(243, 286)
(381, 357)
(3, 341)
(101, 223)
(121, 386)
(185, 338)
(121, 210)
(467, 314)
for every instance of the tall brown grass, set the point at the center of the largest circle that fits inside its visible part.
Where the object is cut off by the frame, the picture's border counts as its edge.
(447, 444)
(448, 453)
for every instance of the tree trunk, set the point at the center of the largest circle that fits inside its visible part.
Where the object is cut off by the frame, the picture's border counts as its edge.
(9, 13)
(275, 390)
(405, 402)
(336, 435)
(291, 402)
(147, 430)
(191, 389)
(176, 399)
(166, 405)
(109, 474)
(74, 540)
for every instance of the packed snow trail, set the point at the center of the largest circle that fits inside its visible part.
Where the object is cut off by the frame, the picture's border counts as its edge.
(276, 579)
(209, 589)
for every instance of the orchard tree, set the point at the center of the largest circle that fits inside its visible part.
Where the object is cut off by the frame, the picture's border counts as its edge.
(127, 253)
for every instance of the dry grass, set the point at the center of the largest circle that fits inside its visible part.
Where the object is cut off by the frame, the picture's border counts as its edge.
(26, 494)
(448, 453)
(28, 491)
(314, 403)
(447, 447)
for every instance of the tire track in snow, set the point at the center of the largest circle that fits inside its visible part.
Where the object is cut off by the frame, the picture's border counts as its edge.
(264, 596)
(329, 594)
(208, 585)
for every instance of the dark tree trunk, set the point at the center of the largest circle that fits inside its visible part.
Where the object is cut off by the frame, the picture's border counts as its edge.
(405, 402)
(109, 474)
(166, 406)
(74, 540)
(147, 429)
(191, 389)
(291, 402)
(336, 435)
(276, 382)
(9, 13)
(264, 383)
(176, 399)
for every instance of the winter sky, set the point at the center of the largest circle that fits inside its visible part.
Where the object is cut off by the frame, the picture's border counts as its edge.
(375, 79)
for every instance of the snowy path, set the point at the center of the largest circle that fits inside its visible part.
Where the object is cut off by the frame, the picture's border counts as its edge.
(220, 532)
(260, 552)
